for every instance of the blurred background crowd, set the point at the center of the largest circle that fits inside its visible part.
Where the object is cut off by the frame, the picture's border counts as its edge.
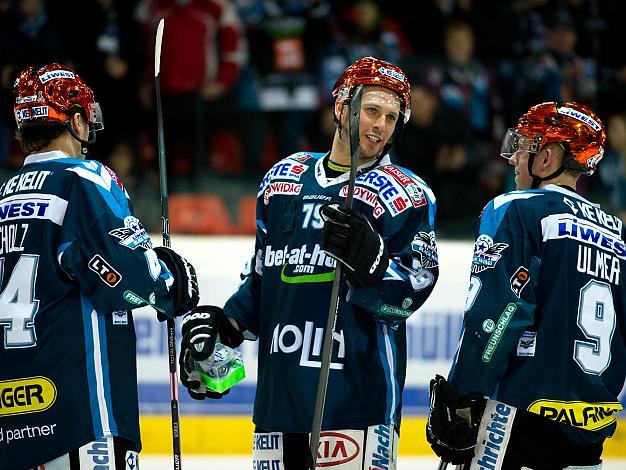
(247, 82)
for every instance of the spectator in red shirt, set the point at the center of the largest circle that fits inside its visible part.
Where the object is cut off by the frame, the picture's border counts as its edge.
(204, 49)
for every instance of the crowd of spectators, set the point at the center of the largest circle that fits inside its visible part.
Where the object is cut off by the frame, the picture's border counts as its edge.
(247, 82)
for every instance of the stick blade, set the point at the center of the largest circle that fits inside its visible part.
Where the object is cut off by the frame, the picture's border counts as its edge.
(157, 47)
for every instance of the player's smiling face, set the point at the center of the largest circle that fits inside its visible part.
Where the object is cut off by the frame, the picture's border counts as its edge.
(380, 112)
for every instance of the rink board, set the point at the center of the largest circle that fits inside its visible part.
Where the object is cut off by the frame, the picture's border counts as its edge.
(224, 426)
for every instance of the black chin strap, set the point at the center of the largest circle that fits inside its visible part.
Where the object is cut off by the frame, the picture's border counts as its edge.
(84, 144)
(537, 179)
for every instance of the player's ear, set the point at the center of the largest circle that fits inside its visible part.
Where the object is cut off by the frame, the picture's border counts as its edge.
(338, 108)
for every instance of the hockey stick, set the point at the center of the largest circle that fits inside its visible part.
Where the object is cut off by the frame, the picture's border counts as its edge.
(354, 110)
(165, 218)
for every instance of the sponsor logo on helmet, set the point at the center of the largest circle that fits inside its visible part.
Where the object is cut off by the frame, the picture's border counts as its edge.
(582, 117)
(592, 162)
(391, 74)
(25, 99)
(28, 395)
(337, 448)
(51, 75)
(580, 414)
(486, 253)
(31, 113)
(496, 334)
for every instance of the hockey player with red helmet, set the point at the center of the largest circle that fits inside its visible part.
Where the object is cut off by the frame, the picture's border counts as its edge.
(389, 255)
(542, 356)
(74, 261)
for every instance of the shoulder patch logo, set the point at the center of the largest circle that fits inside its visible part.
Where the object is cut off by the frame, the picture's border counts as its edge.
(132, 234)
(425, 245)
(486, 253)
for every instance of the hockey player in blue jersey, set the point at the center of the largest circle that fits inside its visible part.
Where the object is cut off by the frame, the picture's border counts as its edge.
(387, 244)
(543, 335)
(74, 261)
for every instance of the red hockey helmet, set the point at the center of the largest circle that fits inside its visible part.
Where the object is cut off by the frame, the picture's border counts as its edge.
(50, 95)
(373, 71)
(572, 124)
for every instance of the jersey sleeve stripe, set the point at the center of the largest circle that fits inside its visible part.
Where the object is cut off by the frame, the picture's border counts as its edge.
(387, 351)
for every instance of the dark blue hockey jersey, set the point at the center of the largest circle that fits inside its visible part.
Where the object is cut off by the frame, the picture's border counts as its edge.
(546, 311)
(285, 296)
(73, 262)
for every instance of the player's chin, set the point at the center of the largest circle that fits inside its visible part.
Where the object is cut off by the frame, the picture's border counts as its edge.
(369, 150)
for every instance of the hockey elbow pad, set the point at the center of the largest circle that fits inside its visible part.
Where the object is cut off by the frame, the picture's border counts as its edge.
(350, 238)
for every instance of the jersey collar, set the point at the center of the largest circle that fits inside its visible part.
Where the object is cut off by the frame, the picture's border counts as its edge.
(567, 192)
(45, 156)
(324, 181)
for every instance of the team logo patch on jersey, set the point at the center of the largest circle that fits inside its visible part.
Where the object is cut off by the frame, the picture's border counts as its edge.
(105, 271)
(519, 280)
(527, 343)
(132, 234)
(425, 245)
(28, 395)
(590, 416)
(486, 253)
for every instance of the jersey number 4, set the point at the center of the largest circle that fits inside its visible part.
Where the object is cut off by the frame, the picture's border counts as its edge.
(596, 319)
(18, 305)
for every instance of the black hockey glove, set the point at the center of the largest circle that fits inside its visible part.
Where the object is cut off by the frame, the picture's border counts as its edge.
(200, 331)
(350, 238)
(185, 287)
(453, 422)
